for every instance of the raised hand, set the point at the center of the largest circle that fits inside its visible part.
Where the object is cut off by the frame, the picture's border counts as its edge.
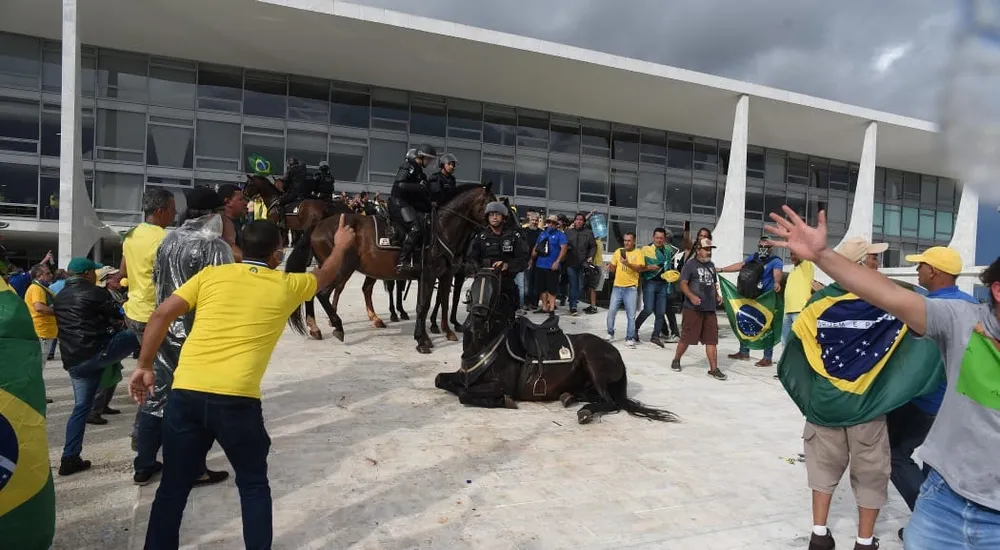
(805, 241)
(344, 237)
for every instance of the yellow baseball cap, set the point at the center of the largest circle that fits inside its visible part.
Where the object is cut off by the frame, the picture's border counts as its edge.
(671, 276)
(941, 258)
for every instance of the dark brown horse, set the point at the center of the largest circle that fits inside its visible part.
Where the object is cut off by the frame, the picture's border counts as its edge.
(309, 211)
(494, 374)
(455, 224)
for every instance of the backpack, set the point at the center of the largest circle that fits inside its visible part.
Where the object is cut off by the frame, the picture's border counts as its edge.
(542, 247)
(749, 279)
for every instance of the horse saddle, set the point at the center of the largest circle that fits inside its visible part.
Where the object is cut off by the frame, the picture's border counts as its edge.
(389, 234)
(538, 346)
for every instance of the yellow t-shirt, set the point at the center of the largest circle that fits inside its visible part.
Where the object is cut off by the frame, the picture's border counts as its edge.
(798, 287)
(139, 250)
(624, 276)
(45, 325)
(232, 337)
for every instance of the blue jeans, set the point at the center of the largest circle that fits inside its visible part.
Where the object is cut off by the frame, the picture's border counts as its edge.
(574, 274)
(148, 439)
(86, 377)
(908, 427)
(944, 519)
(654, 300)
(521, 290)
(768, 353)
(191, 422)
(786, 327)
(627, 296)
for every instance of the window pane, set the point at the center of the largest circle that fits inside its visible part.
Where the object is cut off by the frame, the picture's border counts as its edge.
(220, 88)
(122, 75)
(114, 191)
(594, 185)
(626, 145)
(386, 156)
(500, 126)
(51, 70)
(819, 174)
(616, 233)
(120, 130)
(877, 218)
(911, 187)
(703, 196)
(19, 63)
(349, 160)
(945, 225)
(173, 87)
(170, 146)
(565, 137)
(222, 140)
(891, 225)
(428, 117)
(774, 169)
(755, 163)
(797, 203)
(911, 222)
(946, 192)
(837, 209)
(651, 190)
(893, 185)
(928, 190)
(653, 148)
(19, 185)
(596, 138)
(679, 193)
(308, 99)
(531, 177)
(798, 170)
(754, 203)
(390, 110)
(465, 119)
(469, 164)
(927, 220)
(624, 189)
(500, 171)
(308, 147)
(706, 157)
(48, 196)
(839, 178)
(19, 120)
(680, 154)
(269, 144)
(564, 182)
(349, 108)
(265, 95)
(772, 204)
(533, 130)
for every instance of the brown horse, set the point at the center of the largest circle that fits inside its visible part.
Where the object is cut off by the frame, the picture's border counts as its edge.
(455, 223)
(495, 372)
(308, 214)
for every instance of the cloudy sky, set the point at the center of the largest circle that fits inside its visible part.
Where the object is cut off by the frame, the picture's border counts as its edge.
(884, 54)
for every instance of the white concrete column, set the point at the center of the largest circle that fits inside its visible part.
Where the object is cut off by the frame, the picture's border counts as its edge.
(963, 239)
(728, 233)
(864, 196)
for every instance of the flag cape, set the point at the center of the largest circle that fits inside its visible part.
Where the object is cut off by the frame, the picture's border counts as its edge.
(27, 497)
(756, 322)
(848, 362)
(979, 377)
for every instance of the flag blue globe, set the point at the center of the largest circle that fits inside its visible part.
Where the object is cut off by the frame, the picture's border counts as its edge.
(750, 321)
(8, 451)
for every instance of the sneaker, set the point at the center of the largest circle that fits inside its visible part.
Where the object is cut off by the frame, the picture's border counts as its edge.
(48, 400)
(143, 478)
(109, 410)
(590, 310)
(717, 374)
(630, 344)
(97, 420)
(824, 542)
(211, 478)
(676, 365)
(609, 338)
(572, 311)
(764, 363)
(656, 342)
(872, 546)
(739, 356)
(73, 464)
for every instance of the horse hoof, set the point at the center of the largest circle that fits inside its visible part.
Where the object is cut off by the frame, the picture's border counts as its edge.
(451, 336)
(339, 335)
(423, 349)
(394, 318)
(378, 323)
(315, 334)
(566, 399)
(404, 315)
(434, 329)
(584, 416)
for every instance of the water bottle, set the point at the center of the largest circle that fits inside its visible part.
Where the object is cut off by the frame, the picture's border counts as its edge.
(970, 106)
(599, 225)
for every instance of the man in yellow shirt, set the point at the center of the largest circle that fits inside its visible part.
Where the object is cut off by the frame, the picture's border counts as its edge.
(626, 263)
(216, 388)
(38, 298)
(799, 287)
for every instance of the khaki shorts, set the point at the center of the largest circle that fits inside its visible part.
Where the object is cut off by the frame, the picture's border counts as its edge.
(865, 448)
(699, 327)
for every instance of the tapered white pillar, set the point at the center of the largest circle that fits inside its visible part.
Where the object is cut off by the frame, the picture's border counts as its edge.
(863, 212)
(963, 239)
(728, 233)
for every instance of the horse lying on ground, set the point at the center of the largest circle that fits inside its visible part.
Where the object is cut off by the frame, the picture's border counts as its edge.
(504, 363)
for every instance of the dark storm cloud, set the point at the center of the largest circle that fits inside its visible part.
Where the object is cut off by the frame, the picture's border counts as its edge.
(886, 55)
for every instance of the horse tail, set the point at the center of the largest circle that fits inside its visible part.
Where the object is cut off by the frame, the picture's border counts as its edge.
(619, 393)
(297, 262)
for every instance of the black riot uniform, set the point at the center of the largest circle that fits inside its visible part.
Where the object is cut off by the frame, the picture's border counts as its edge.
(323, 182)
(442, 186)
(507, 246)
(297, 185)
(409, 199)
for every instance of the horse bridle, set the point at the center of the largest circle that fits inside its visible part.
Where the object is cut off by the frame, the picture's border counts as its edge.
(447, 209)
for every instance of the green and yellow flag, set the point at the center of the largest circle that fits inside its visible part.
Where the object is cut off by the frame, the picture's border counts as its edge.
(755, 321)
(848, 362)
(27, 497)
(979, 376)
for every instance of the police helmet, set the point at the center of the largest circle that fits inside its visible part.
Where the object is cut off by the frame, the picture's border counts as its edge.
(497, 207)
(425, 150)
(324, 166)
(446, 159)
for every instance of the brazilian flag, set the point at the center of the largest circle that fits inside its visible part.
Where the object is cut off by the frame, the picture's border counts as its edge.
(849, 362)
(259, 165)
(755, 321)
(27, 496)
(979, 376)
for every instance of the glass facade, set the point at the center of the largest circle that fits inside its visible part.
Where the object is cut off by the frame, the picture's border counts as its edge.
(166, 122)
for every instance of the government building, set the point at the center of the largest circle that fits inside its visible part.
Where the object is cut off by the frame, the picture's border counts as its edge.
(180, 93)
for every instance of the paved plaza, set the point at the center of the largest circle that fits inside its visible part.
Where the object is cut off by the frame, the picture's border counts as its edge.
(367, 454)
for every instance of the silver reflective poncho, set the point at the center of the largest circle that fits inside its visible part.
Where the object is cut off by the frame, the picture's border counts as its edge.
(182, 254)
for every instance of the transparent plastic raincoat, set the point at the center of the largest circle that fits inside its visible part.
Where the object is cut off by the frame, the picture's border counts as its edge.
(182, 254)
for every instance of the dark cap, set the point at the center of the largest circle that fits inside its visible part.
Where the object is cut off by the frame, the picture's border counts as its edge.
(203, 198)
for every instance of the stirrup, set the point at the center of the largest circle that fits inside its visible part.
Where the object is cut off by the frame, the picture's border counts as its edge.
(544, 385)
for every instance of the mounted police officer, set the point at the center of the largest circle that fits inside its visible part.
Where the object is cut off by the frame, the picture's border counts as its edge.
(297, 186)
(504, 249)
(409, 200)
(441, 184)
(324, 188)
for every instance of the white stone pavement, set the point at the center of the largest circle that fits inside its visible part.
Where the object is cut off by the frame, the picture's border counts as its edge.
(367, 454)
